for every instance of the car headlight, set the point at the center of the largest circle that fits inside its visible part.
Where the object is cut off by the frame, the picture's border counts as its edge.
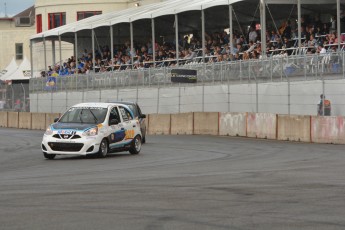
(91, 132)
(49, 131)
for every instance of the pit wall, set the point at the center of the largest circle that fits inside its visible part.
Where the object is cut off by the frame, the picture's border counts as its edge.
(312, 129)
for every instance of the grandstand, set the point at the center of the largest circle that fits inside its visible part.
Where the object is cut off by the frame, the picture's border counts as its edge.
(225, 41)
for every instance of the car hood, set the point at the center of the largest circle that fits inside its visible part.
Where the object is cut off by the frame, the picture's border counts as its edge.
(74, 126)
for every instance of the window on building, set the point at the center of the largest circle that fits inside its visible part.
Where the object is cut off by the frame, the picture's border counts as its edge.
(19, 51)
(85, 14)
(39, 23)
(56, 20)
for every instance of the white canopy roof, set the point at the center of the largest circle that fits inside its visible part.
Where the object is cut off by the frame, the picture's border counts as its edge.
(23, 72)
(11, 68)
(155, 10)
(133, 14)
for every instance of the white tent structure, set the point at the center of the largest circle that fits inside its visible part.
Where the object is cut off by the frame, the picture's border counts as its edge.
(22, 72)
(9, 70)
(84, 30)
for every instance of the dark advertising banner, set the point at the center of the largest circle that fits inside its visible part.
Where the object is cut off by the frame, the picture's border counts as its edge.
(183, 76)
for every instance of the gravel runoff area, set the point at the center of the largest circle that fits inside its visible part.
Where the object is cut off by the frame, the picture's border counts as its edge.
(176, 182)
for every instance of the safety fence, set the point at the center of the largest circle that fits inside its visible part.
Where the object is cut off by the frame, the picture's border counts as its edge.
(276, 68)
(289, 97)
(14, 97)
(314, 129)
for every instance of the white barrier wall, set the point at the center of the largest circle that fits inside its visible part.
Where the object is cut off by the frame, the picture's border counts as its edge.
(233, 124)
(256, 125)
(328, 130)
(262, 125)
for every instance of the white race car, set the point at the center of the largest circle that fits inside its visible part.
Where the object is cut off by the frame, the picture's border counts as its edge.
(93, 128)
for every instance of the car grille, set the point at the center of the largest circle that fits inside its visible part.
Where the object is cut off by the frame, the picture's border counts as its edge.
(65, 136)
(65, 147)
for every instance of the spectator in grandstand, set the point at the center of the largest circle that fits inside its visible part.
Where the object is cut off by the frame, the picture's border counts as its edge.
(252, 34)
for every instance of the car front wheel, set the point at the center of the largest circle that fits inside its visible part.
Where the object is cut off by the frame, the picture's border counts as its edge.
(49, 156)
(135, 145)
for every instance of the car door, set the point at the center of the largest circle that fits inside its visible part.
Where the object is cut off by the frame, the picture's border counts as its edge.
(117, 132)
(128, 123)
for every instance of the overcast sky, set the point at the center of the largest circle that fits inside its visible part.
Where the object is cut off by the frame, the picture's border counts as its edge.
(14, 6)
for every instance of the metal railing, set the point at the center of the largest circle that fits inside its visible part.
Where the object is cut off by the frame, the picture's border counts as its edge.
(275, 68)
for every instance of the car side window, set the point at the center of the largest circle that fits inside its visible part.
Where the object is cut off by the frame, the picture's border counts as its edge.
(114, 114)
(126, 115)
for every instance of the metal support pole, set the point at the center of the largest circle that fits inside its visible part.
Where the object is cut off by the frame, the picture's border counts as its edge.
(231, 29)
(53, 53)
(112, 47)
(31, 58)
(158, 100)
(153, 41)
(76, 51)
(263, 27)
(93, 50)
(323, 98)
(176, 40)
(289, 96)
(299, 23)
(203, 98)
(338, 24)
(24, 100)
(203, 36)
(60, 52)
(132, 50)
(257, 95)
(45, 54)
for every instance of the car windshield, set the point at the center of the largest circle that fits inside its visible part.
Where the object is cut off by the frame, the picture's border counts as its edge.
(90, 115)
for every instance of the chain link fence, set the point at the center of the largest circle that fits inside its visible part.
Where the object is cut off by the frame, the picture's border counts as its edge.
(14, 97)
(279, 84)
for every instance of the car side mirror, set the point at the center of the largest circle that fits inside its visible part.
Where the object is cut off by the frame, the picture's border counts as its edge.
(114, 122)
(143, 116)
(56, 119)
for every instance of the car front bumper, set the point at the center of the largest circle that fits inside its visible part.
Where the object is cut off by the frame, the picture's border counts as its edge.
(81, 146)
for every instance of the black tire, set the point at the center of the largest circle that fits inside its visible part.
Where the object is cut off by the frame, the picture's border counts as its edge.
(135, 145)
(49, 156)
(103, 149)
(143, 141)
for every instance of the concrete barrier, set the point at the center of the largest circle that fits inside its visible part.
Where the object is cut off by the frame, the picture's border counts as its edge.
(328, 130)
(182, 123)
(24, 120)
(233, 124)
(13, 119)
(3, 119)
(50, 118)
(159, 124)
(38, 121)
(206, 123)
(294, 128)
(262, 125)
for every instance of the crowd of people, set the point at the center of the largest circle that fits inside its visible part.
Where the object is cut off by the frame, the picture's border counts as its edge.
(317, 37)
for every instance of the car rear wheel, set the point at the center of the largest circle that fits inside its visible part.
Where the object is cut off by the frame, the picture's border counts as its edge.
(135, 145)
(103, 149)
(49, 156)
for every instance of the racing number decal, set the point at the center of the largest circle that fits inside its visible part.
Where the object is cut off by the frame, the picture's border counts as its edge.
(129, 134)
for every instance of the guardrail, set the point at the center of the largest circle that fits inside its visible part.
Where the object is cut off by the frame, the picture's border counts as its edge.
(312, 129)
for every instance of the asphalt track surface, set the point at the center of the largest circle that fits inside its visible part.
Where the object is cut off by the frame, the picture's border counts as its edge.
(176, 182)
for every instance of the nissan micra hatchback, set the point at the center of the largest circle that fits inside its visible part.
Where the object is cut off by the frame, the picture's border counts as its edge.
(93, 128)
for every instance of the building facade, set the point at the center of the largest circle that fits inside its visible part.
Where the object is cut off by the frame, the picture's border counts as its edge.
(15, 35)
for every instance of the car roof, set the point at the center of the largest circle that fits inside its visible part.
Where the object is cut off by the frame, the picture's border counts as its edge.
(123, 102)
(96, 104)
